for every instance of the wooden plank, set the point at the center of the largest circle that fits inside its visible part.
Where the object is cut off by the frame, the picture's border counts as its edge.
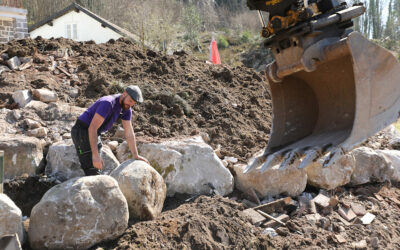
(271, 217)
(274, 205)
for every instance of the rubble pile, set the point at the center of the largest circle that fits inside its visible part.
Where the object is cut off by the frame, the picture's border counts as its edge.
(353, 218)
(198, 127)
(183, 95)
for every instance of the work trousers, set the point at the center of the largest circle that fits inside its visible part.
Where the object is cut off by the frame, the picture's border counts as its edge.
(80, 137)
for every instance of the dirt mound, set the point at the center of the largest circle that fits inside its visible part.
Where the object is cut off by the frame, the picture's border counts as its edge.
(183, 95)
(205, 223)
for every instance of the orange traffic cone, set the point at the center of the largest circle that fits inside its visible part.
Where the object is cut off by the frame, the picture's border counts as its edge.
(214, 54)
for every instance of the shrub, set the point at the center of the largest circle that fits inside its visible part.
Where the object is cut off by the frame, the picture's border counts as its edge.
(245, 37)
(222, 42)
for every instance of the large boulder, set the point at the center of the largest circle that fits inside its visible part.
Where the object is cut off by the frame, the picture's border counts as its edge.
(78, 214)
(187, 165)
(109, 159)
(143, 187)
(290, 181)
(331, 177)
(57, 111)
(393, 157)
(63, 161)
(370, 167)
(10, 218)
(22, 155)
(8, 121)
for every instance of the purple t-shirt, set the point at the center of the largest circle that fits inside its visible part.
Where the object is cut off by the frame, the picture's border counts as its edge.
(109, 108)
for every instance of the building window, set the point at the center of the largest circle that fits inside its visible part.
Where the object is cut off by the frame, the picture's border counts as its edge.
(71, 31)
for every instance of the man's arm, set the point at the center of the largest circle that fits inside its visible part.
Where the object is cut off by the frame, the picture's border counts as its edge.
(93, 127)
(131, 139)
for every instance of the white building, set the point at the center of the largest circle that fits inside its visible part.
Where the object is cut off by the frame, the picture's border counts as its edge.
(79, 24)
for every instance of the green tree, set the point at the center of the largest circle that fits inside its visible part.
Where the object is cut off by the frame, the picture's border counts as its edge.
(192, 24)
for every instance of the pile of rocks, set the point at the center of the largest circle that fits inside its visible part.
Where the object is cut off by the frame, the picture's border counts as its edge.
(360, 166)
(81, 212)
(307, 211)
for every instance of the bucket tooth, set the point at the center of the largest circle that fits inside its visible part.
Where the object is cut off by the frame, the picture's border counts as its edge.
(290, 158)
(272, 160)
(256, 162)
(253, 164)
(311, 156)
(333, 157)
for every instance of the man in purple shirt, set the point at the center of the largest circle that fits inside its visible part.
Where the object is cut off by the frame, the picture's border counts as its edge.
(99, 118)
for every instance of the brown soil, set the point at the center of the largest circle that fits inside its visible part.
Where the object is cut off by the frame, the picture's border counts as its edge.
(205, 223)
(186, 96)
(381, 200)
(26, 192)
(183, 95)
(218, 223)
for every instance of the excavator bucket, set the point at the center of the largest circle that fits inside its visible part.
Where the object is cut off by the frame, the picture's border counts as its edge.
(351, 94)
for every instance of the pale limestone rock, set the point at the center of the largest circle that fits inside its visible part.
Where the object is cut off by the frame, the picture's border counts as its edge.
(331, 177)
(10, 217)
(187, 165)
(36, 105)
(56, 111)
(391, 133)
(73, 92)
(7, 121)
(4, 68)
(113, 145)
(120, 132)
(66, 136)
(289, 181)
(37, 132)
(44, 95)
(110, 161)
(31, 124)
(123, 152)
(22, 154)
(14, 62)
(63, 161)
(143, 188)
(393, 157)
(22, 97)
(370, 167)
(78, 214)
